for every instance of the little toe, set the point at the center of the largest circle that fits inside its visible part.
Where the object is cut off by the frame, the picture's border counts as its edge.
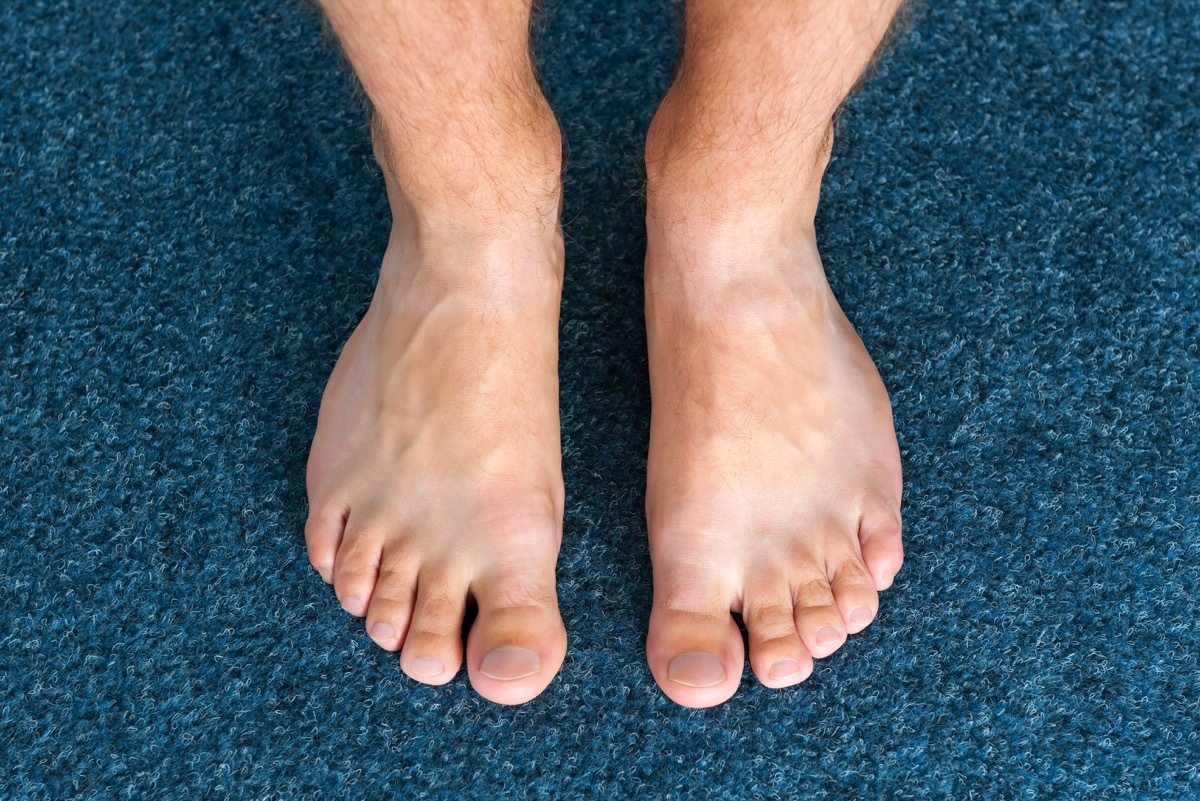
(432, 649)
(818, 618)
(357, 566)
(777, 655)
(880, 539)
(518, 641)
(854, 593)
(322, 535)
(694, 647)
(392, 603)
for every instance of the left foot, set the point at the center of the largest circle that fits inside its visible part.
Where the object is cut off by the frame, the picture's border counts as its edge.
(774, 475)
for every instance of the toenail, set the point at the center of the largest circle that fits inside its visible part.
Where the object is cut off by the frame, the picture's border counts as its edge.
(353, 604)
(509, 662)
(425, 665)
(827, 635)
(782, 669)
(696, 670)
(383, 631)
(325, 575)
(860, 617)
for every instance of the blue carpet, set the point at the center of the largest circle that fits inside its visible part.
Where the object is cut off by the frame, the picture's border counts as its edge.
(190, 225)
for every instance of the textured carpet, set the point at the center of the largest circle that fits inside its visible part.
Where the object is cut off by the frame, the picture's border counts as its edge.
(190, 224)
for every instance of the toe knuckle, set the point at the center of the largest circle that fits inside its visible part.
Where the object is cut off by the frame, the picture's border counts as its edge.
(814, 592)
(368, 534)
(399, 562)
(437, 609)
(392, 574)
(520, 595)
(885, 560)
(851, 573)
(767, 613)
(437, 622)
(895, 556)
(892, 562)
(432, 630)
(320, 558)
(320, 532)
(326, 510)
(435, 626)
(387, 598)
(768, 638)
(775, 624)
(882, 521)
(687, 599)
(351, 565)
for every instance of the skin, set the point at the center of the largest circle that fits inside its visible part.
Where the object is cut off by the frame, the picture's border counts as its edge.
(435, 476)
(774, 476)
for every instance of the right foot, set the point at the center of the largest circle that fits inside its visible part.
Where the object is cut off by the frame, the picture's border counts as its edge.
(435, 477)
(773, 478)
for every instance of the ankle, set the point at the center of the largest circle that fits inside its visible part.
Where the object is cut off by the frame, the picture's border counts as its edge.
(510, 263)
(478, 223)
(488, 170)
(749, 277)
(481, 214)
(703, 162)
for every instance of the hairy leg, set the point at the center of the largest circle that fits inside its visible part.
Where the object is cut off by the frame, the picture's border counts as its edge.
(435, 476)
(774, 476)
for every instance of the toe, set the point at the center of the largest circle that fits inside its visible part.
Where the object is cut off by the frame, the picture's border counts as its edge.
(880, 541)
(392, 602)
(322, 535)
(432, 650)
(356, 566)
(517, 642)
(854, 593)
(694, 647)
(817, 617)
(777, 655)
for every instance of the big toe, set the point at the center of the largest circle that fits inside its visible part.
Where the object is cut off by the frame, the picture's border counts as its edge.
(694, 648)
(518, 641)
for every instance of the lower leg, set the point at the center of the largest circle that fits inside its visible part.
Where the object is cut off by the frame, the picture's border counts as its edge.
(435, 474)
(754, 99)
(460, 124)
(774, 476)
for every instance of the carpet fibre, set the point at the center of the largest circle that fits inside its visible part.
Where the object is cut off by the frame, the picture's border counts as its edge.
(190, 226)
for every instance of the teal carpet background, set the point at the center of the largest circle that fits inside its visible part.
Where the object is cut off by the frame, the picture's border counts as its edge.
(190, 225)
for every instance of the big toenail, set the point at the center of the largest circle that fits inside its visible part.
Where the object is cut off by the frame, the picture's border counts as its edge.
(696, 670)
(383, 631)
(860, 617)
(827, 635)
(353, 604)
(510, 662)
(782, 669)
(426, 665)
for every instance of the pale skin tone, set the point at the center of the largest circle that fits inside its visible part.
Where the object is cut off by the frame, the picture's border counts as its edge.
(435, 479)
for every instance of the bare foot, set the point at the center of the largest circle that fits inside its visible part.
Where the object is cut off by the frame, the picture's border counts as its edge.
(774, 476)
(435, 478)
